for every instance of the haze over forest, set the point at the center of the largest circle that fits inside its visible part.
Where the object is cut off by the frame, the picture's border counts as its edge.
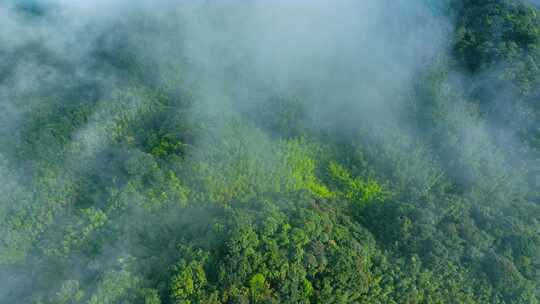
(227, 151)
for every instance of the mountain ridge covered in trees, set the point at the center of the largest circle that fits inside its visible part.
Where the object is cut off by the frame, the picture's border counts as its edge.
(285, 152)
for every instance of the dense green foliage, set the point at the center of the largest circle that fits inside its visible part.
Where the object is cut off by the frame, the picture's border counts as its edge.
(138, 196)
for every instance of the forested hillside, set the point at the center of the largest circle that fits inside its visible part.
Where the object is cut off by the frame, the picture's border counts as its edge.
(374, 151)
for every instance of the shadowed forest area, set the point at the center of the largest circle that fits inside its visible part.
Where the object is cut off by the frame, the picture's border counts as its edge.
(374, 151)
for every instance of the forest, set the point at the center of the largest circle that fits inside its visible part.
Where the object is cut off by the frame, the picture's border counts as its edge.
(207, 151)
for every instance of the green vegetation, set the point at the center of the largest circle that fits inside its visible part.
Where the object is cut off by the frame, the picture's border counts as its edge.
(143, 194)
